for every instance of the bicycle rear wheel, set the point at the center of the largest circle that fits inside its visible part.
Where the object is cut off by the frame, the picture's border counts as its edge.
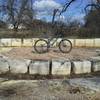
(65, 46)
(41, 46)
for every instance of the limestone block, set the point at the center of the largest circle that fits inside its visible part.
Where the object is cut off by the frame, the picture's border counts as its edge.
(16, 42)
(98, 51)
(39, 67)
(90, 42)
(5, 49)
(61, 67)
(80, 42)
(18, 66)
(81, 67)
(96, 58)
(28, 42)
(96, 66)
(96, 63)
(73, 42)
(5, 42)
(4, 67)
(97, 42)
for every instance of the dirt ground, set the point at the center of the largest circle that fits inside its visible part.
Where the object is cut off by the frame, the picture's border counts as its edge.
(75, 54)
(44, 90)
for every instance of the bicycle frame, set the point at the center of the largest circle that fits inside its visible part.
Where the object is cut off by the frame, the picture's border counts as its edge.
(50, 43)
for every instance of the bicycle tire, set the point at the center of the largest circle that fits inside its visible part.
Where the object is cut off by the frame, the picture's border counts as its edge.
(36, 46)
(60, 46)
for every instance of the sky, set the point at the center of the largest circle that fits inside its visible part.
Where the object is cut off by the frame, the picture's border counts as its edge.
(44, 9)
(74, 12)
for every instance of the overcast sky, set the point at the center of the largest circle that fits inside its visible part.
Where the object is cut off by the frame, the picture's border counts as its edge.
(44, 8)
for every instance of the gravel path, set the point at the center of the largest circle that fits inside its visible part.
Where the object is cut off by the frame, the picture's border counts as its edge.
(75, 54)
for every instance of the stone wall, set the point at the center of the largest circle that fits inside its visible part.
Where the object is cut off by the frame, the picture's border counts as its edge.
(30, 42)
(46, 67)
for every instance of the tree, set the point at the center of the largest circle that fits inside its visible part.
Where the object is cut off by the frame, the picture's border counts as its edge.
(92, 19)
(64, 8)
(58, 25)
(94, 5)
(18, 12)
(2, 24)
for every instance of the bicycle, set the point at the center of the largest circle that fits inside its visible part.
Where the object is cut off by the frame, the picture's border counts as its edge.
(42, 45)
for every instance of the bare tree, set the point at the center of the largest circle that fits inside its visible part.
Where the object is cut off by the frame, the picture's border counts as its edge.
(95, 4)
(2, 24)
(18, 11)
(58, 27)
(64, 8)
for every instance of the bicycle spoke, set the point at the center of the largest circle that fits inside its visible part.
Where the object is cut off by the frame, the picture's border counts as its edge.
(65, 46)
(41, 46)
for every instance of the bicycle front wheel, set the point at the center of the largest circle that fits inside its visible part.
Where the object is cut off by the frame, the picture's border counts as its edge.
(65, 46)
(41, 46)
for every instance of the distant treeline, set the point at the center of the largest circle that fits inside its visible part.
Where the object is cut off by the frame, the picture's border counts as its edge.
(38, 28)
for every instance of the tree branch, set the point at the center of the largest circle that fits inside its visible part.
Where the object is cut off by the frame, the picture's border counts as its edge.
(64, 8)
